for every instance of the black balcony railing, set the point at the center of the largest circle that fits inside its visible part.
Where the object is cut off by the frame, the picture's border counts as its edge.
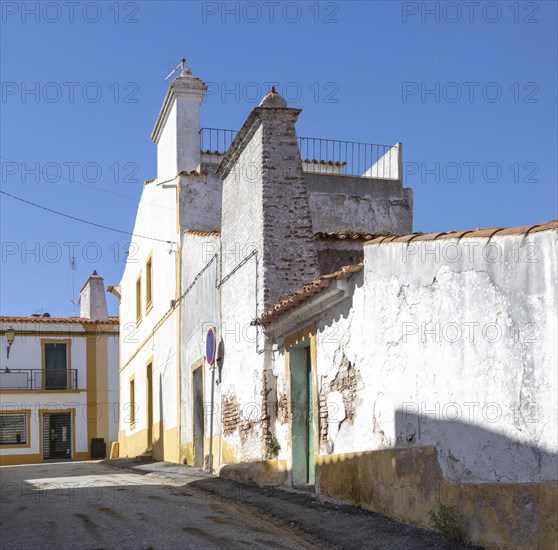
(321, 156)
(38, 379)
(350, 158)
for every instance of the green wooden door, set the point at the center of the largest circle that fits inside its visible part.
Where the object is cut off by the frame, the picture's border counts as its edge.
(302, 429)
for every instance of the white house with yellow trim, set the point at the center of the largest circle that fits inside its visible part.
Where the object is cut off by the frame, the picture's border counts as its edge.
(357, 359)
(59, 394)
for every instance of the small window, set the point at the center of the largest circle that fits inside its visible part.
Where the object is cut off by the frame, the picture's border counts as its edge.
(13, 429)
(132, 402)
(148, 283)
(138, 299)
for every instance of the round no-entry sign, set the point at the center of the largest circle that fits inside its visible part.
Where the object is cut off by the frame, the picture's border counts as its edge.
(210, 346)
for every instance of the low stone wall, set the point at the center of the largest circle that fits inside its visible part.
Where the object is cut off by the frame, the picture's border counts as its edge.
(407, 484)
(269, 472)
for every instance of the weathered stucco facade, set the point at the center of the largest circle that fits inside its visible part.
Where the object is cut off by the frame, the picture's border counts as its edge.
(421, 373)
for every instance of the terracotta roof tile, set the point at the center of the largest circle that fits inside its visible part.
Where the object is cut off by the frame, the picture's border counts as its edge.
(45, 320)
(325, 162)
(192, 173)
(345, 235)
(473, 233)
(201, 233)
(307, 291)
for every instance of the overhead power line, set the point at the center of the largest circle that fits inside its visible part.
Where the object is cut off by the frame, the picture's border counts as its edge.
(75, 218)
(100, 189)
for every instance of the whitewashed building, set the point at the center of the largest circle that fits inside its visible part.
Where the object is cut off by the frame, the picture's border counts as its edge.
(59, 383)
(394, 370)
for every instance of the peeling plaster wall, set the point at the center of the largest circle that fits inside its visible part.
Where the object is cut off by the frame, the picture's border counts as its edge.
(369, 205)
(242, 232)
(459, 354)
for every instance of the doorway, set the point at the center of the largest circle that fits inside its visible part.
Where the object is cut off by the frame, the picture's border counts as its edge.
(57, 436)
(149, 390)
(56, 366)
(198, 415)
(302, 429)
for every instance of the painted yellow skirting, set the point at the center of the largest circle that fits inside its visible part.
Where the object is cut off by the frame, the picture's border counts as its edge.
(35, 458)
(408, 483)
(165, 443)
(12, 460)
(115, 450)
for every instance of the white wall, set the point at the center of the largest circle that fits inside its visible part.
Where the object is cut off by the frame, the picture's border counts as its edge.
(460, 354)
(156, 217)
(26, 351)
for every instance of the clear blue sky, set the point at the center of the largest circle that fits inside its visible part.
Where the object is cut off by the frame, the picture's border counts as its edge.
(359, 70)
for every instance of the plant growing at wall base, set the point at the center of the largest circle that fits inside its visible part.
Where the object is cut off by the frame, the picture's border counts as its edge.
(447, 522)
(273, 447)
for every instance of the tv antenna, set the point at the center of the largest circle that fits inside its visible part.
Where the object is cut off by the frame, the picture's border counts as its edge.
(183, 69)
(72, 270)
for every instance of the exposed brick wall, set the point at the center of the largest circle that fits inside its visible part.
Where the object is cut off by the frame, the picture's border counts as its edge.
(324, 421)
(230, 414)
(290, 255)
(346, 382)
(283, 409)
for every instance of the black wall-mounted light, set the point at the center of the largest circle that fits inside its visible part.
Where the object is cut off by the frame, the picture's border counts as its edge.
(10, 336)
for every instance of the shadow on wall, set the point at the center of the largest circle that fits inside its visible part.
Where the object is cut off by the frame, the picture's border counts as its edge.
(471, 453)
(159, 437)
(408, 482)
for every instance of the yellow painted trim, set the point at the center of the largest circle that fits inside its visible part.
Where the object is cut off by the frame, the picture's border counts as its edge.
(18, 460)
(114, 450)
(91, 383)
(102, 388)
(68, 343)
(19, 392)
(27, 413)
(149, 283)
(149, 363)
(57, 333)
(138, 299)
(56, 411)
(132, 402)
(178, 287)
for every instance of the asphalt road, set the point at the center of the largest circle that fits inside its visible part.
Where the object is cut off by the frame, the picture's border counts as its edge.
(95, 506)
(92, 506)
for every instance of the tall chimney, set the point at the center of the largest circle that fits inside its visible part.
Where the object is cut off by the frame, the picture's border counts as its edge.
(177, 128)
(265, 201)
(92, 299)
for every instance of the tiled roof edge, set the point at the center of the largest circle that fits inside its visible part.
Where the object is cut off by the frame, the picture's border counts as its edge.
(32, 319)
(473, 233)
(307, 291)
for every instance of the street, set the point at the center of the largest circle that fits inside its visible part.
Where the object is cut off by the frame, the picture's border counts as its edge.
(92, 505)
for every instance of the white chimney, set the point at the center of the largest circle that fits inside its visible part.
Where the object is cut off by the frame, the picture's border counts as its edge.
(176, 131)
(92, 299)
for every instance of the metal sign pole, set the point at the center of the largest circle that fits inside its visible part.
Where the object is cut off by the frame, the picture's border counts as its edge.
(210, 350)
(211, 419)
